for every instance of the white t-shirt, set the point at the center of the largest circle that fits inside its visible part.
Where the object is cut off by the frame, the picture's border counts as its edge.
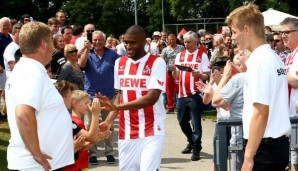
(292, 68)
(121, 49)
(8, 56)
(29, 84)
(80, 42)
(266, 83)
(135, 79)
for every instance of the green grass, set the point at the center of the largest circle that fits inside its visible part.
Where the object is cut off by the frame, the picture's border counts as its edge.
(4, 138)
(209, 114)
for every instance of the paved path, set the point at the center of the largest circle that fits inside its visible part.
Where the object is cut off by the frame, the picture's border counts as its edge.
(172, 159)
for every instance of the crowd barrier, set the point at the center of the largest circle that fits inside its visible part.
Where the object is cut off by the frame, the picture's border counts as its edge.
(223, 149)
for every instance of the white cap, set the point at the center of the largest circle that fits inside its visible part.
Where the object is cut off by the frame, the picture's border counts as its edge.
(156, 33)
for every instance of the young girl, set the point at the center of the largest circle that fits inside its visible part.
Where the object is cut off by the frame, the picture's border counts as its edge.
(80, 103)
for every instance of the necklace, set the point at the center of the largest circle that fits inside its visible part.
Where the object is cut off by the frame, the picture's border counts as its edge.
(74, 64)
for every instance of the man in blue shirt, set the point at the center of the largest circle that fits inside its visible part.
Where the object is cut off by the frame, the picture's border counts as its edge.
(98, 64)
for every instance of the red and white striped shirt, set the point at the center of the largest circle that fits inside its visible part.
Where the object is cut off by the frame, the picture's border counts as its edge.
(135, 79)
(198, 61)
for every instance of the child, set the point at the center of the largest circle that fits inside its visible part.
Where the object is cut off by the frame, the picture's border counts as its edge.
(80, 103)
(82, 138)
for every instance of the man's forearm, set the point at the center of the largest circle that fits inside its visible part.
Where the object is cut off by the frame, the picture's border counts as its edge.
(257, 129)
(27, 125)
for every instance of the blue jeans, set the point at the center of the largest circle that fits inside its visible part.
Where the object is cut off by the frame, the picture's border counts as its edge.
(191, 108)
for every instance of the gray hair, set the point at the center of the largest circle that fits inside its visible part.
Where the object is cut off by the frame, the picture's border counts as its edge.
(290, 21)
(3, 19)
(98, 32)
(191, 35)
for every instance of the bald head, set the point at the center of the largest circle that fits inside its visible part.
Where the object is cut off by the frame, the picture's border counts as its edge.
(137, 31)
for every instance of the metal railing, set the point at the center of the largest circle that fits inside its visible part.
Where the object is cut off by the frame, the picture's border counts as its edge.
(221, 159)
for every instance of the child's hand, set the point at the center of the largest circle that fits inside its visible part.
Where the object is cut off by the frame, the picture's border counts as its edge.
(95, 107)
(78, 143)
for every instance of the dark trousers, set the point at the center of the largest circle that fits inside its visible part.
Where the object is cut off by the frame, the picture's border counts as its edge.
(191, 108)
(272, 154)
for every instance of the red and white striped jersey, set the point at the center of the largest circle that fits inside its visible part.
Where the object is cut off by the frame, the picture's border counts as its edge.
(135, 79)
(198, 61)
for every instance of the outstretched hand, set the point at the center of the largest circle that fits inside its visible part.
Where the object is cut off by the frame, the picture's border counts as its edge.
(107, 104)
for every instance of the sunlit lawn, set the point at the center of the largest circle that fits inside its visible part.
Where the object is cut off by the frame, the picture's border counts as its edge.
(4, 138)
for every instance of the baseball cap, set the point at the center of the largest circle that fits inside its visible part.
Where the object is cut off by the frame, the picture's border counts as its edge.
(156, 33)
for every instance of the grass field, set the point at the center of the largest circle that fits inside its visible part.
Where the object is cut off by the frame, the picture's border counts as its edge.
(4, 138)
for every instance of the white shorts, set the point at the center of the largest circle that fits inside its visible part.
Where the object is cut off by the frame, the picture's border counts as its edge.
(141, 154)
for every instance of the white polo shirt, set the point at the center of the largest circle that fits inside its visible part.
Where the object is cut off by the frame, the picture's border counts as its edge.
(266, 83)
(29, 84)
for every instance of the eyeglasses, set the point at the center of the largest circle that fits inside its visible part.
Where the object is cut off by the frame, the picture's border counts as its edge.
(287, 32)
(89, 31)
(276, 40)
(73, 51)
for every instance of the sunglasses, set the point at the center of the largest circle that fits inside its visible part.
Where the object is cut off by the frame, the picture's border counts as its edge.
(73, 51)
(287, 32)
(276, 40)
(90, 31)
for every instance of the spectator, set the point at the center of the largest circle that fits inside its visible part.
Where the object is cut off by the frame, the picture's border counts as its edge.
(88, 28)
(208, 90)
(229, 95)
(77, 32)
(53, 24)
(190, 102)
(25, 19)
(58, 58)
(279, 47)
(35, 118)
(60, 16)
(164, 37)
(12, 23)
(80, 102)
(169, 54)
(71, 71)
(5, 40)
(217, 42)
(289, 34)
(266, 123)
(120, 48)
(67, 34)
(98, 64)
(12, 51)
(140, 147)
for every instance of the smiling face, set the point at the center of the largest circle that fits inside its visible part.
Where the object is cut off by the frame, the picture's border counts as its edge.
(134, 45)
(290, 39)
(98, 41)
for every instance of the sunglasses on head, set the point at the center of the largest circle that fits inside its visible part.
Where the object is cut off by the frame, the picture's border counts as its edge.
(73, 51)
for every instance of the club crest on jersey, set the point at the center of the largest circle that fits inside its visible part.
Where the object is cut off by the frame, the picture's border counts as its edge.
(146, 70)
